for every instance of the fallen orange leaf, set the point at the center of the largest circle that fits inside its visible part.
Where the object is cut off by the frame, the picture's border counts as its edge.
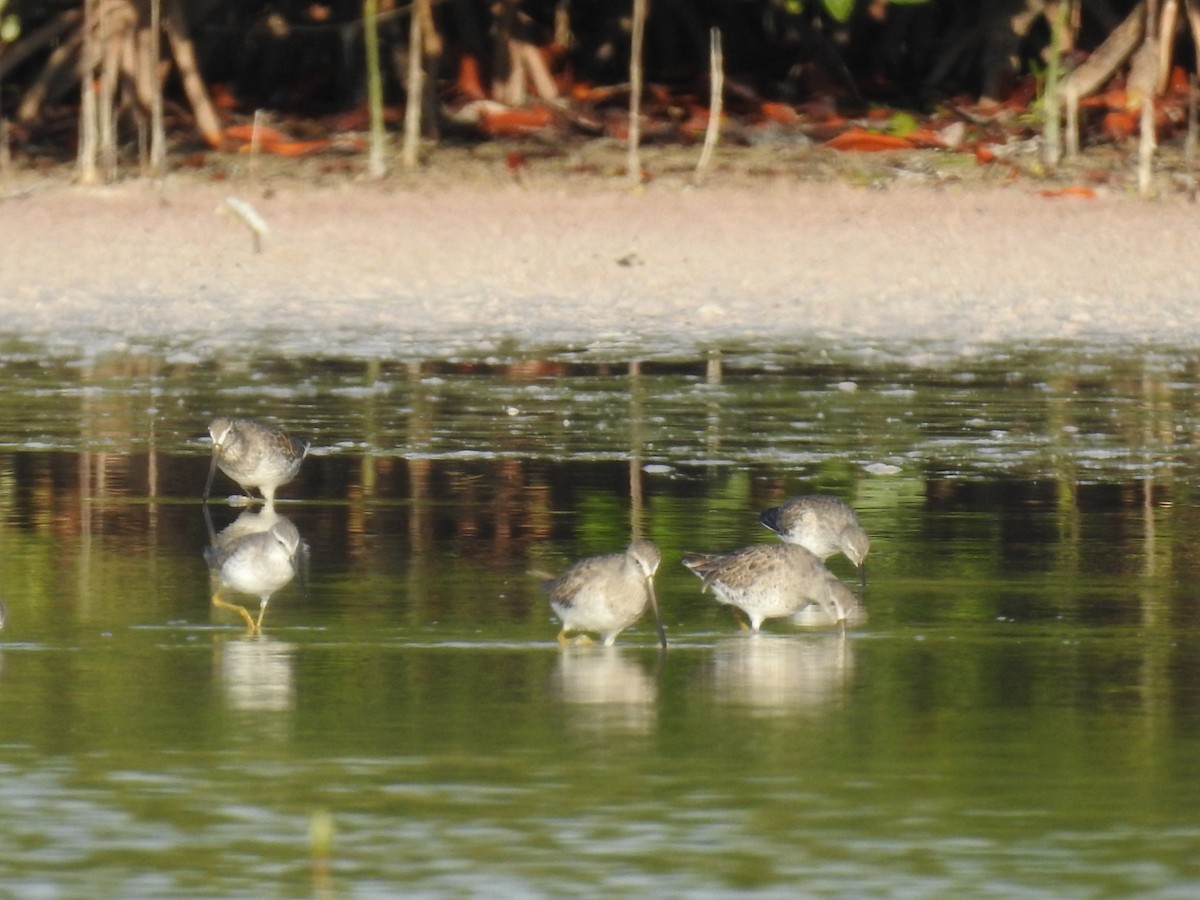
(1112, 99)
(584, 92)
(245, 134)
(925, 138)
(1084, 193)
(515, 122)
(1119, 124)
(779, 112)
(300, 148)
(863, 141)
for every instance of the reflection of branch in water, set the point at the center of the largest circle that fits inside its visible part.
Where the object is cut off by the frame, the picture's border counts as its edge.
(637, 440)
(320, 839)
(421, 431)
(713, 375)
(782, 673)
(359, 515)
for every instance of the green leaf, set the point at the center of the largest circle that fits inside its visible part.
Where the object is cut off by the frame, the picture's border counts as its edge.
(839, 9)
(10, 28)
(902, 124)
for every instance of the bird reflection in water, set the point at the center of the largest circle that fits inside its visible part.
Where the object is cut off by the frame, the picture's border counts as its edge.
(258, 554)
(611, 690)
(778, 673)
(256, 673)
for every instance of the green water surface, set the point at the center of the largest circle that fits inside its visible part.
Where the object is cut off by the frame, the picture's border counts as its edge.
(1019, 717)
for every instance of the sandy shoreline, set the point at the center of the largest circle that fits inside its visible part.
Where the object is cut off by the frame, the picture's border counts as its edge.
(366, 267)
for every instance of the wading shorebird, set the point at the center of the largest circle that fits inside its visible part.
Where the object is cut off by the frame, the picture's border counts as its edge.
(607, 594)
(254, 454)
(821, 524)
(767, 581)
(258, 554)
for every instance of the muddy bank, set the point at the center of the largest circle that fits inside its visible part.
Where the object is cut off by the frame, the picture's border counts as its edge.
(350, 266)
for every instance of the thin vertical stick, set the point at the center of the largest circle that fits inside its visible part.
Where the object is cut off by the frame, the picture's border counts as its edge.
(716, 101)
(86, 159)
(5, 153)
(1052, 101)
(255, 141)
(1168, 17)
(1146, 144)
(562, 23)
(1139, 88)
(376, 166)
(158, 134)
(106, 109)
(410, 151)
(432, 46)
(634, 163)
(1189, 142)
(1072, 135)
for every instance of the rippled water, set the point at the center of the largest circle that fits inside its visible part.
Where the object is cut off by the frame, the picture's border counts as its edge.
(1019, 717)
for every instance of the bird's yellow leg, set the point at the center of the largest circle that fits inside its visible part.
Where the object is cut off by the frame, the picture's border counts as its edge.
(240, 610)
(579, 639)
(262, 611)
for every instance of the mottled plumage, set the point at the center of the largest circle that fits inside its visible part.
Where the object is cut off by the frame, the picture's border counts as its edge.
(607, 594)
(258, 554)
(254, 454)
(767, 581)
(819, 523)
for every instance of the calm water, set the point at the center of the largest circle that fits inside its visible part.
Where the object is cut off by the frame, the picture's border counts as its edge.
(1021, 716)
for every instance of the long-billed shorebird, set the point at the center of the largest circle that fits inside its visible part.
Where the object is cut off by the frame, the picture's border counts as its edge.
(258, 554)
(607, 594)
(767, 581)
(254, 454)
(821, 524)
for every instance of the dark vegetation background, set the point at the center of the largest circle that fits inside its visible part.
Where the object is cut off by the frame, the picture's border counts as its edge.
(303, 60)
